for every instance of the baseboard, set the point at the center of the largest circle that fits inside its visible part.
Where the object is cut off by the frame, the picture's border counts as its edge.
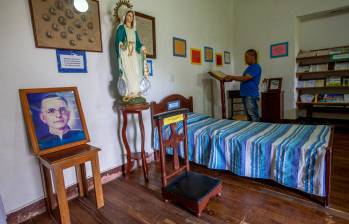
(39, 207)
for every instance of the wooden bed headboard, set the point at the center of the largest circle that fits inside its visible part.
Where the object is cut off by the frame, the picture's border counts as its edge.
(176, 101)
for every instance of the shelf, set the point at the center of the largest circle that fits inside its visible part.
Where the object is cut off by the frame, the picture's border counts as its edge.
(322, 104)
(319, 75)
(314, 60)
(325, 88)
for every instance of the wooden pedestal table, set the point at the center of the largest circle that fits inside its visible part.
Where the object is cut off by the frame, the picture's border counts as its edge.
(134, 109)
(56, 162)
(222, 78)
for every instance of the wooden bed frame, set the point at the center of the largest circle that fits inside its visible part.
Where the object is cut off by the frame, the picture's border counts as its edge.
(162, 106)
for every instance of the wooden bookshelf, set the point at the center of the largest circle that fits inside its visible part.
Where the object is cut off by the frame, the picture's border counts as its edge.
(324, 88)
(310, 58)
(322, 75)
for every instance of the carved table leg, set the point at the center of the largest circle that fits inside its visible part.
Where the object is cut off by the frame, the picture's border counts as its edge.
(144, 159)
(127, 146)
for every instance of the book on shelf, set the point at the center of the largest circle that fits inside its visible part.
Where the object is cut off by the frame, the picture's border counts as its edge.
(319, 68)
(320, 83)
(331, 98)
(334, 81)
(304, 68)
(345, 81)
(341, 66)
(340, 50)
(346, 98)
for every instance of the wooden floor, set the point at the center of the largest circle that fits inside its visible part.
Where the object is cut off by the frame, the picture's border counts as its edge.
(243, 200)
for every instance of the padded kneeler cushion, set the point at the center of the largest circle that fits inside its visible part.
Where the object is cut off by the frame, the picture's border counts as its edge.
(192, 186)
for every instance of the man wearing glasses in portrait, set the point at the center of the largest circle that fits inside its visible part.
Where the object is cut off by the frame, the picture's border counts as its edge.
(55, 113)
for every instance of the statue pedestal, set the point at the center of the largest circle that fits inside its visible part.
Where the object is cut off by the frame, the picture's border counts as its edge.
(134, 109)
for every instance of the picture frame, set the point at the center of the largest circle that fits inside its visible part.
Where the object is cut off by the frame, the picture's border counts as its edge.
(71, 61)
(147, 33)
(54, 118)
(208, 54)
(219, 60)
(195, 56)
(274, 84)
(150, 67)
(57, 25)
(279, 50)
(179, 47)
(227, 58)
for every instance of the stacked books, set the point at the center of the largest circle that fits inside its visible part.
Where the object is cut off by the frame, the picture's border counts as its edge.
(345, 81)
(311, 83)
(319, 68)
(330, 98)
(304, 68)
(341, 66)
(334, 81)
(346, 98)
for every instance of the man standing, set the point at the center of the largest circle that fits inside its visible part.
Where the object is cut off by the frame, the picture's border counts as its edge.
(249, 87)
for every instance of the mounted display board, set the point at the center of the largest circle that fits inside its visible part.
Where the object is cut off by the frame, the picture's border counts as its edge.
(57, 24)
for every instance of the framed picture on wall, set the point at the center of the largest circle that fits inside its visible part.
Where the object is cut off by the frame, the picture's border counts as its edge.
(54, 118)
(227, 59)
(208, 54)
(195, 56)
(57, 24)
(279, 50)
(179, 47)
(147, 34)
(274, 84)
(219, 59)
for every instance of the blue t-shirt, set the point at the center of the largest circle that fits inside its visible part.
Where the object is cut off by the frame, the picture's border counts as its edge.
(251, 87)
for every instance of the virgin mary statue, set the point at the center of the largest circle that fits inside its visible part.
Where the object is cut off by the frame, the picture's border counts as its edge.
(133, 83)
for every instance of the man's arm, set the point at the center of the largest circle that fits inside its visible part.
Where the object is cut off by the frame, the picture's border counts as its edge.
(244, 78)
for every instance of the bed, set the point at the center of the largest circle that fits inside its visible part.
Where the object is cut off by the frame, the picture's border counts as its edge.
(292, 155)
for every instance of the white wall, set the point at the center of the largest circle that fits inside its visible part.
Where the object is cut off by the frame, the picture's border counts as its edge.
(200, 22)
(325, 32)
(258, 24)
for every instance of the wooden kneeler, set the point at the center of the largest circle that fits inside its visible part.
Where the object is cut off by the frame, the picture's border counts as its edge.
(189, 189)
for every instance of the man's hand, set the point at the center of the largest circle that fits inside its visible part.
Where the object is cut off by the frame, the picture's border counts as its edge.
(244, 78)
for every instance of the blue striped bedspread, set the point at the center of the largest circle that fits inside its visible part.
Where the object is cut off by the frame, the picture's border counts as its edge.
(292, 155)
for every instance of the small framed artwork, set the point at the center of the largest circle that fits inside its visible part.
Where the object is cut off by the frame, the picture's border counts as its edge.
(274, 84)
(227, 59)
(179, 47)
(219, 59)
(279, 50)
(146, 31)
(150, 67)
(54, 119)
(71, 61)
(208, 54)
(195, 56)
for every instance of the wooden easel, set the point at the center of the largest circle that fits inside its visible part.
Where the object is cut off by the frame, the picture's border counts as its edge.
(222, 78)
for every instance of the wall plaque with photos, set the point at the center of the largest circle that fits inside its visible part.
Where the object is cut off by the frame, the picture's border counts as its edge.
(146, 30)
(54, 119)
(57, 24)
